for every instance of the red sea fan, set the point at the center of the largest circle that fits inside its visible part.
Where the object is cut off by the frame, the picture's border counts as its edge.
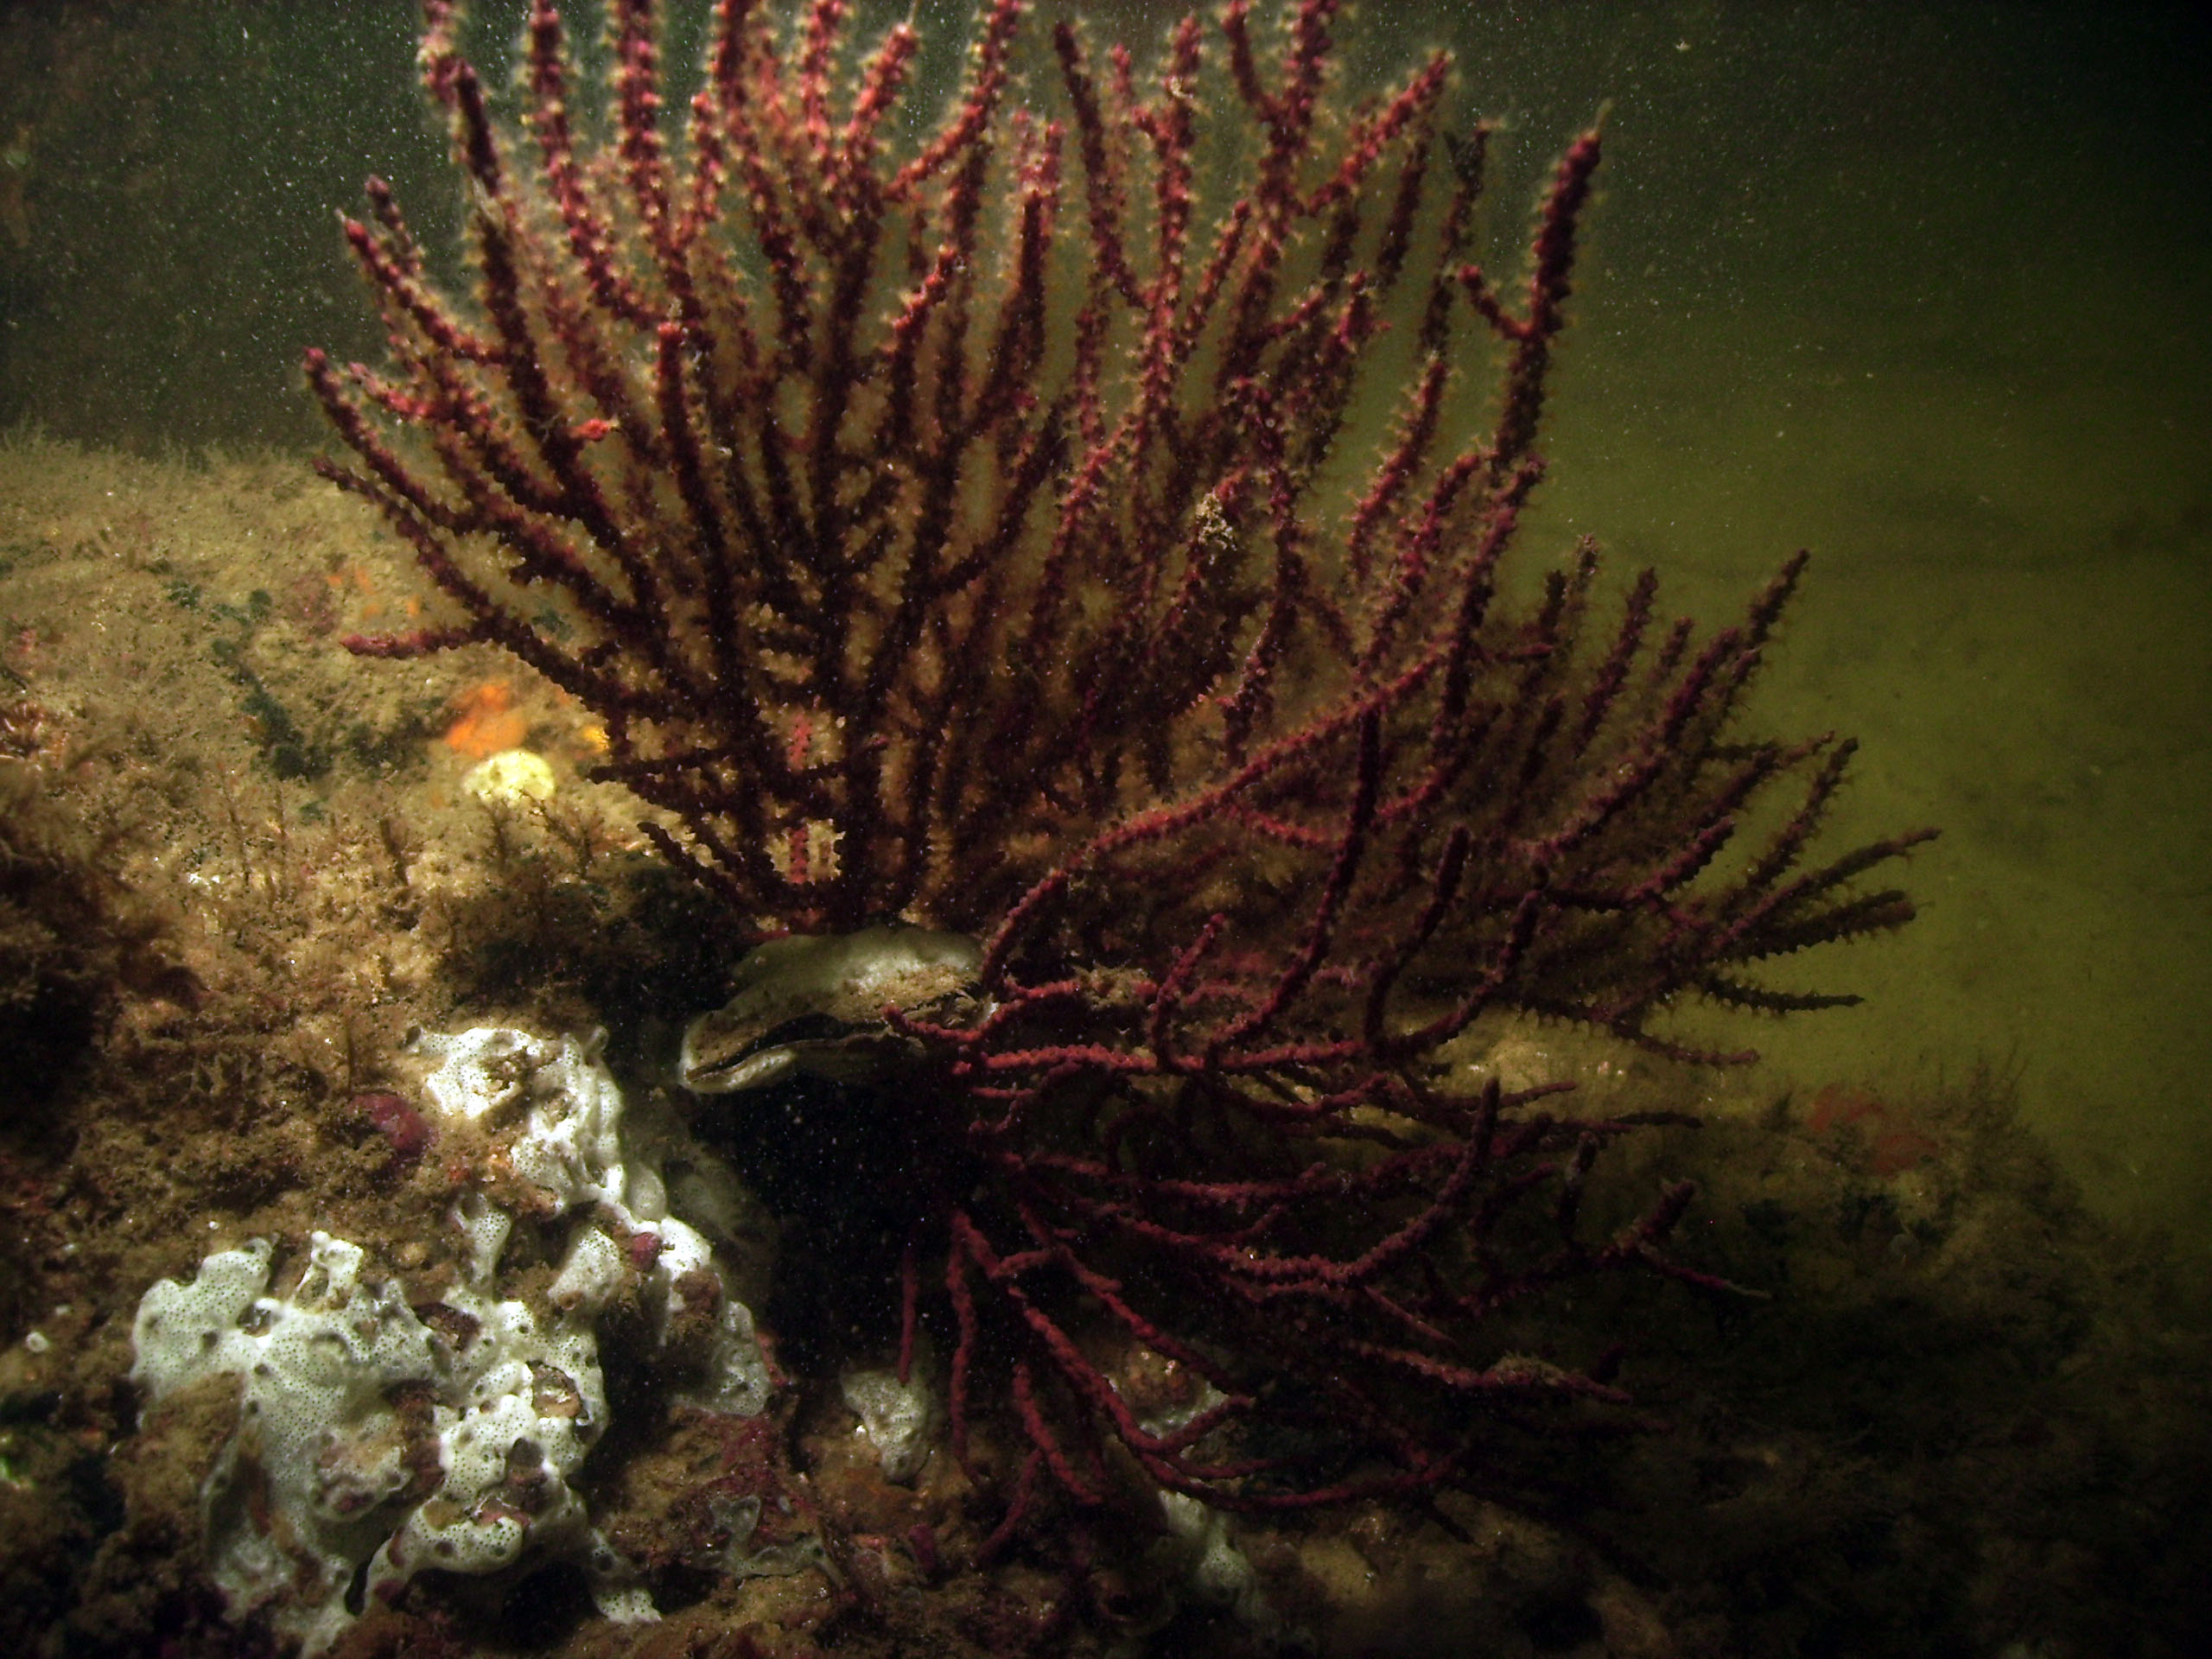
(984, 528)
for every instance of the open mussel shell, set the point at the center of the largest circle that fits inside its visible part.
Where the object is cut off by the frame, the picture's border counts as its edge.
(814, 1004)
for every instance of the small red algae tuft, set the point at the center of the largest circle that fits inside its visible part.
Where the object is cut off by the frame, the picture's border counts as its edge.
(311, 602)
(1892, 1146)
(1840, 1103)
(1898, 1150)
(408, 1131)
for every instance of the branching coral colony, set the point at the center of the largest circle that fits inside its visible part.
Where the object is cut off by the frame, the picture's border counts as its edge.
(974, 527)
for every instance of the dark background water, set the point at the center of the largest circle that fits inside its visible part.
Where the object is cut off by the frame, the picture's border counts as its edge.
(1947, 172)
(1926, 287)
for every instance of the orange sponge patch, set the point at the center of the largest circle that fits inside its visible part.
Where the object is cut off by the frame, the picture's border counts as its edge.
(486, 721)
